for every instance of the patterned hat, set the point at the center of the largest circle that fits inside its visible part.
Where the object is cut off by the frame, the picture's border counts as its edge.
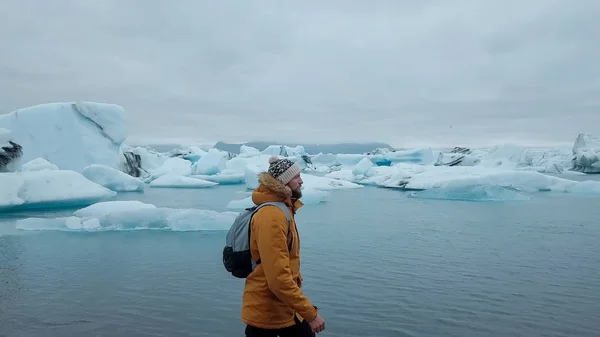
(283, 170)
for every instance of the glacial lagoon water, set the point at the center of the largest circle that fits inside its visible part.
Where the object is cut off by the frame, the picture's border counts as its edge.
(376, 262)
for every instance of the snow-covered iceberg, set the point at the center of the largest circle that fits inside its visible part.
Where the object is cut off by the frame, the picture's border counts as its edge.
(112, 178)
(131, 215)
(48, 189)
(71, 135)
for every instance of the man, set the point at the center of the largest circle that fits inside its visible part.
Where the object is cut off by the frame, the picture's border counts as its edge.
(273, 302)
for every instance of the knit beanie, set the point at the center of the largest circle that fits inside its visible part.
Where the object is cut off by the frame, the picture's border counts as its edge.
(283, 170)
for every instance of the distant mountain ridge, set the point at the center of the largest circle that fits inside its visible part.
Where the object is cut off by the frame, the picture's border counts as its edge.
(309, 148)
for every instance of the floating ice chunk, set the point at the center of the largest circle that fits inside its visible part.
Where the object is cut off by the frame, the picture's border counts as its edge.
(105, 208)
(296, 151)
(251, 172)
(527, 181)
(419, 177)
(275, 150)
(327, 160)
(349, 159)
(362, 167)
(152, 160)
(173, 166)
(248, 151)
(178, 181)
(468, 192)
(344, 175)
(510, 152)
(193, 154)
(223, 178)
(239, 163)
(112, 179)
(132, 215)
(38, 164)
(413, 156)
(211, 163)
(46, 189)
(325, 184)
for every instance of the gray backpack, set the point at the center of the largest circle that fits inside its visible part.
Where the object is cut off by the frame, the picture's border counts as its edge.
(236, 254)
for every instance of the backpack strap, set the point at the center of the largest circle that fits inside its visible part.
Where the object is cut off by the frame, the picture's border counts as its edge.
(283, 207)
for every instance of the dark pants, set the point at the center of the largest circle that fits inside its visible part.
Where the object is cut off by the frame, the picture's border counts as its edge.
(300, 329)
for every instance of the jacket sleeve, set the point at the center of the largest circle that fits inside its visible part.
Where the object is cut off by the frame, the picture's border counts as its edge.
(271, 238)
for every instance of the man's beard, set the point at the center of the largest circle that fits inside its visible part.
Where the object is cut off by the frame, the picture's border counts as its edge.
(297, 194)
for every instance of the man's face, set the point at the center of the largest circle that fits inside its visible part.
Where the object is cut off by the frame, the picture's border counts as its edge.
(296, 186)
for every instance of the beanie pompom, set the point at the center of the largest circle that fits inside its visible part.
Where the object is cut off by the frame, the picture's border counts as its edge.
(273, 159)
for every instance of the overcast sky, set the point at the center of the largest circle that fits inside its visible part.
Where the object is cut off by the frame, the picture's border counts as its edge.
(410, 73)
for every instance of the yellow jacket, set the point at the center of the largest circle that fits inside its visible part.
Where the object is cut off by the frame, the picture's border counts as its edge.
(272, 293)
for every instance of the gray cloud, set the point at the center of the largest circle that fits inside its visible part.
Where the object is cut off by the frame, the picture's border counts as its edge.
(406, 72)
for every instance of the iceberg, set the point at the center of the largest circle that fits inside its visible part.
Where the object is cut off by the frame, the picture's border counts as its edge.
(248, 151)
(48, 189)
(280, 150)
(251, 173)
(225, 168)
(10, 152)
(378, 157)
(112, 178)
(212, 162)
(142, 162)
(472, 192)
(326, 184)
(71, 135)
(414, 156)
(172, 180)
(173, 166)
(461, 179)
(458, 156)
(131, 215)
(38, 164)
(328, 161)
(586, 154)
(223, 178)
(363, 167)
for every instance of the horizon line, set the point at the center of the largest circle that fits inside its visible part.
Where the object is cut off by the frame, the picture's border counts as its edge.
(185, 142)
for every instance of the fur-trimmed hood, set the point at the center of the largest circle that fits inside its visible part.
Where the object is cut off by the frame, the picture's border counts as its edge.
(271, 189)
